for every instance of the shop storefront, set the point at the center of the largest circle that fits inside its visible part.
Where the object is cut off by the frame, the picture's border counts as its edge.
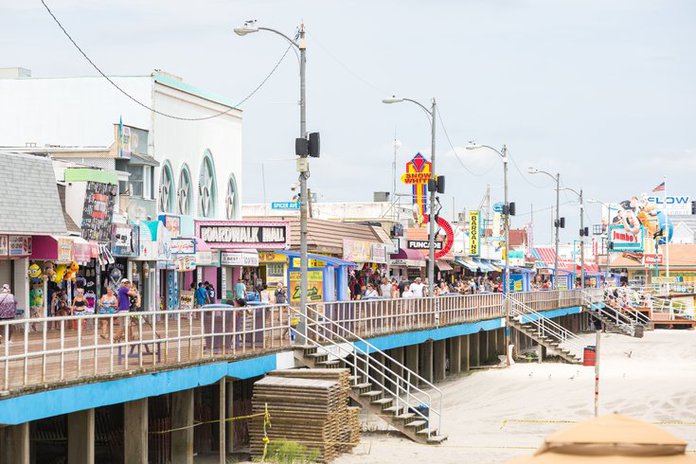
(236, 245)
(327, 278)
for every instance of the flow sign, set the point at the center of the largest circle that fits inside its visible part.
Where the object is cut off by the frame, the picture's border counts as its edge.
(285, 205)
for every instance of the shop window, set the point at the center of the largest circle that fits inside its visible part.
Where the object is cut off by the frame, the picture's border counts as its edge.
(134, 186)
(207, 187)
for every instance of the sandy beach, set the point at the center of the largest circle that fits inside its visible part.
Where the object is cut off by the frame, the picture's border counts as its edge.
(493, 415)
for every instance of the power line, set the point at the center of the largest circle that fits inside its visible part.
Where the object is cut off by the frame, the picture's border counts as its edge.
(524, 177)
(456, 155)
(543, 209)
(149, 108)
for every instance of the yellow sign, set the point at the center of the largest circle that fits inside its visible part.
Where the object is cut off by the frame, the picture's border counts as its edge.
(271, 257)
(312, 263)
(474, 226)
(315, 286)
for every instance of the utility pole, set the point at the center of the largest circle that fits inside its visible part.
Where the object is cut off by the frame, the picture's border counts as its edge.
(558, 228)
(582, 241)
(433, 193)
(304, 200)
(596, 374)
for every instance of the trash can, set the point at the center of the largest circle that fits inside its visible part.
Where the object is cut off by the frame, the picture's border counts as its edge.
(589, 357)
(638, 331)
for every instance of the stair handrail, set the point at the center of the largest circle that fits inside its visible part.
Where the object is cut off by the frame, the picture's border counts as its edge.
(618, 317)
(320, 319)
(547, 325)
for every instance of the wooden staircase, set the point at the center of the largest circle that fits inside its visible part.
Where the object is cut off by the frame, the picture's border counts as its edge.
(550, 343)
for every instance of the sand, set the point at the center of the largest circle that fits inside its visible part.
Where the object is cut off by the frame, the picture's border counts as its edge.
(485, 412)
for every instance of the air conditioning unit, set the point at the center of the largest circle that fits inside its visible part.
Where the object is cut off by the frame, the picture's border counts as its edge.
(380, 197)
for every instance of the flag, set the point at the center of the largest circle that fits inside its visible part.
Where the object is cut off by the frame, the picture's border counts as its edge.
(660, 188)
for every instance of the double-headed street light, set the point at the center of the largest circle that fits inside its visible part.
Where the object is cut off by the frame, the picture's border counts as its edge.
(299, 43)
(557, 222)
(583, 234)
(432, 113)
(608, 207)
(506, 226)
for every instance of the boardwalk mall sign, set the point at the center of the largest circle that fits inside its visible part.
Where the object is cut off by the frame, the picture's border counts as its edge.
(243, 234)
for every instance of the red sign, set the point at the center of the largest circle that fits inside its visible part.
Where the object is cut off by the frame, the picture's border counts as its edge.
(652, 258)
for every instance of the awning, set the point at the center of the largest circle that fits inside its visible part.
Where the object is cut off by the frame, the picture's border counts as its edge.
(330, 260)
(409, 258)
(443, 265)
(522, 269)
(484, 265)
(470, 265)
(202, 246)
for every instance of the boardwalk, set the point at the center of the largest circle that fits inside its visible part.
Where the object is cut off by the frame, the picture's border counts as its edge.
(46, 353)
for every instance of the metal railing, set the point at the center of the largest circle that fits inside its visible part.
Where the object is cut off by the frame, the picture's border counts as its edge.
(598, 304)
(394, 379)
(544, 326)
(59, 350)
(672, 307)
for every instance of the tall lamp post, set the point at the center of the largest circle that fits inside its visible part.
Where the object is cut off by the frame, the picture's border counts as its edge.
(506, 225)
(557, 222)
(299, 43)
(432, 113)
(582, 234)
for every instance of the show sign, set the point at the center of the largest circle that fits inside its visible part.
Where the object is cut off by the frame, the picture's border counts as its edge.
(422, 245)
(239, 259)
(418, 171)
(623, 240)
(673, 204)
(243, 234)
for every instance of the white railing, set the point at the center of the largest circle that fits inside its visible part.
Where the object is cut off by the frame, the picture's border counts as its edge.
(394, 379)
(671, 307)
(545, 326)
(599, 305)
(59, 350)
(62, 349)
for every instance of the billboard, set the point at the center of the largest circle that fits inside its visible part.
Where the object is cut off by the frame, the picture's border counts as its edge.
(418, 171)
(624, 240)
(642, 219)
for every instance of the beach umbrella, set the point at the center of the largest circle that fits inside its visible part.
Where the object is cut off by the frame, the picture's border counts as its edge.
(611, 439)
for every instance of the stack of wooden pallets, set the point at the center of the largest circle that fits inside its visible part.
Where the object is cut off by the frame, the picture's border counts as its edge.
(307, 406)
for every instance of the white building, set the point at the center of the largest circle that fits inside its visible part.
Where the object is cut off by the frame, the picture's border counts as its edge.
(184, 166)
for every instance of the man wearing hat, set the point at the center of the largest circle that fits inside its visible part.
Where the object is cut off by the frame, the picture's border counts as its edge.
(123, 295)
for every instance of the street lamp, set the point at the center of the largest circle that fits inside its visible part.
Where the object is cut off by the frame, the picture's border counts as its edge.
(582, 234)
(506, 225)
(557, 222)
(431, 217)
(299, 43)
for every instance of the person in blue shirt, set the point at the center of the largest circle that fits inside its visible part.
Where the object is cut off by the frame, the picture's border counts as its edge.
(240, 290)
(201, 294)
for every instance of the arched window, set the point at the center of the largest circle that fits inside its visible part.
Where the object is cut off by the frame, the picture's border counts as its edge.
(166, 188)
(231, 199)
(207, 187)
(185, 192)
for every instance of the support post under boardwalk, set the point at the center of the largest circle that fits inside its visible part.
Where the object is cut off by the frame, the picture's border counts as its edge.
(182, 418)
(475, 348)
(15, 444)
(465, 352)
(426, 360)
(135, 430)
(455, 355)
(439, 360)
(412, 354)
(81, 437)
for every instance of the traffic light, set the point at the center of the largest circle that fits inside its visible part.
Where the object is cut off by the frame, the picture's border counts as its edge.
(314, 144)
(511, 208)
(585, 232)
(437, 184)
(560, 223)
(308, 146)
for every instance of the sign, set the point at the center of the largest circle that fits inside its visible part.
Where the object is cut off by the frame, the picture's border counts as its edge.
(271, 257)
(474, 239)
(65, 250)
(358, 251)
(652, 259)
(379, 253)
(516, 283)
(172, 223)
(275, 273)
(124, 240)
(243, 234)
(228, 258)
(311, 263)
(130, 140)
(422, 245)
(418, 171)
(19, 245)
(315, 287)
(292, 205)
(98, 210)
(672, 204)
(4, 251)
(82, 252)
(622, 240)
(498, 207)
(183, 246)
(184, 263)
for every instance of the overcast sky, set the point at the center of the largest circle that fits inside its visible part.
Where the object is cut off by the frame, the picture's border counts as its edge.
(603, 91)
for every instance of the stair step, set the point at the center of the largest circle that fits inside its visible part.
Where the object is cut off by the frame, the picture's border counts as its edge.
(405, 416)
(382, 401)
(330, 363)
(360, 386)
(392, 409)
(315, 355)
(416, 423)
(436, 439)
(425, 431)
(372, 393)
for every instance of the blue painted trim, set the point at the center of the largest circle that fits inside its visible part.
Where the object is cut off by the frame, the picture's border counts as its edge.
(552, 313)
(92, 395)
(413, 338)
(174, 83)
